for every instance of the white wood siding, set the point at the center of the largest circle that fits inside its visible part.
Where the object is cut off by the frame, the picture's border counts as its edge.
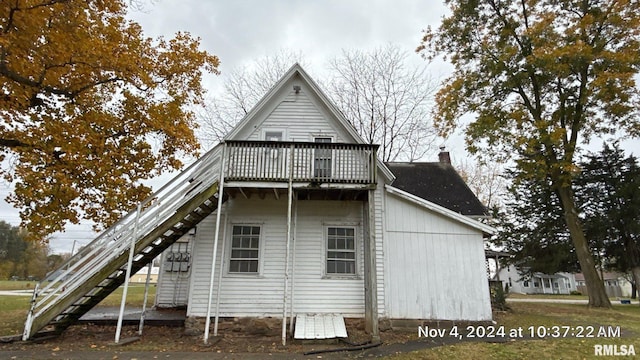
(313, 291)
(262, 295)
(435, 266)
(300, 116)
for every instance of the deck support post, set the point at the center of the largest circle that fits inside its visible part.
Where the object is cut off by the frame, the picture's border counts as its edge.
(288, 251)
(215, 243)
(370, 282)
(132, 250)
(146, 297)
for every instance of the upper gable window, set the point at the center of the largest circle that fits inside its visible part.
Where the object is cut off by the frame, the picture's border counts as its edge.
(273, 135)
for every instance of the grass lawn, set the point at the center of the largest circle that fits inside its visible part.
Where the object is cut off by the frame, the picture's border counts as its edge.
(547, 296)
(523, 315)
(13, 309)
(17, 285)
(13, 312)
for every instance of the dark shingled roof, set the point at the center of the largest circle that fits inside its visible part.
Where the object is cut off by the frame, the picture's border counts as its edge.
(438, 183)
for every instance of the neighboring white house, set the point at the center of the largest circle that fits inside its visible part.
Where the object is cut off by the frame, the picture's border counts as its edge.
(537, 283)
(313, 223)
(615, 284)
(141, 275)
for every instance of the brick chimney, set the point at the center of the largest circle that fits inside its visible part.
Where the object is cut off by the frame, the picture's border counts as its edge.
(444, 157)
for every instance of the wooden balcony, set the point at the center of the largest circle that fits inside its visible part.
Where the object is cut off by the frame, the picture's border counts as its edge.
(303, 162)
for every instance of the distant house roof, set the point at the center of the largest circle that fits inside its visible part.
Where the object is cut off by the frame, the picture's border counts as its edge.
(493, 253)
(155, 270)
(547, 276)
(438, 183)
(606, 275)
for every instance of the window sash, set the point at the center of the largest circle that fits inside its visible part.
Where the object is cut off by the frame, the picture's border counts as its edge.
(244, 255)
(341, 251)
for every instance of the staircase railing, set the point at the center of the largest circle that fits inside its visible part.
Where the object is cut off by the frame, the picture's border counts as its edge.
(116, 240)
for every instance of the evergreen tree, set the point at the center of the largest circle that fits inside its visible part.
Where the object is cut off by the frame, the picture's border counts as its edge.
(609, 191)
(539, 80)
(608, 198)
(532, 228)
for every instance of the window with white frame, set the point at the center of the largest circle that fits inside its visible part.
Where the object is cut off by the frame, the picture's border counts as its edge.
(341, 250)
(245, 249)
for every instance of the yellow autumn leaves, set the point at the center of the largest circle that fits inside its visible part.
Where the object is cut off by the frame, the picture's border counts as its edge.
(90, 107)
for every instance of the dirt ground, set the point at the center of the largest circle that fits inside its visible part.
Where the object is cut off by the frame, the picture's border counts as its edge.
(234, 337)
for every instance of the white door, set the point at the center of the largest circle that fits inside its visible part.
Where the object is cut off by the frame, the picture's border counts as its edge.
(272, 165)
(322, 159)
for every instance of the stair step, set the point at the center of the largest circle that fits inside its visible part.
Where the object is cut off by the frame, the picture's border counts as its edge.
(206, 208)
(102, 280)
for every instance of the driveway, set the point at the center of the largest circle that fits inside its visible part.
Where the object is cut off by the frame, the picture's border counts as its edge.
(560, 301)
(16, 292)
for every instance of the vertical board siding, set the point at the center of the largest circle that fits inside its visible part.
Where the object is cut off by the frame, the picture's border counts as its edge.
(263, 295)
(173, 287)
(436, 266)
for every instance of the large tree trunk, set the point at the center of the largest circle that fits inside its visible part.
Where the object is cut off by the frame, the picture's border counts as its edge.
(633, 256)
(595, 286)
(635, 272)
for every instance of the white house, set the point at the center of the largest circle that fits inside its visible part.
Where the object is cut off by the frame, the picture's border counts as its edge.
(537, 283)
(141, 275)
(292, 216)
(312, 223)
(615, 284)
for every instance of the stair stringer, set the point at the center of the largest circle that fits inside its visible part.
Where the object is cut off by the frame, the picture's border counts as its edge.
(72, 297)
(100, 267)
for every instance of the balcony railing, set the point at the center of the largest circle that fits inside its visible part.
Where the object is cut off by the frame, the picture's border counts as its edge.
(276, 161)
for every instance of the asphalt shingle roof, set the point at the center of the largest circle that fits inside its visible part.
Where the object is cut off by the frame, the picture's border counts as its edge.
(438, 183)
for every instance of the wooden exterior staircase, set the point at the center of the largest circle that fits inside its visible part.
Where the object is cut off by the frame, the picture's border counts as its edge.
(100, 267)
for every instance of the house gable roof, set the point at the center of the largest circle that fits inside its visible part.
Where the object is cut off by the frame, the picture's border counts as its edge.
(438, 183)
(282, 89)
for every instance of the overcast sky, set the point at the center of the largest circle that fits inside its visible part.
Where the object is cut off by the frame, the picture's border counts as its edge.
(240, 31)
